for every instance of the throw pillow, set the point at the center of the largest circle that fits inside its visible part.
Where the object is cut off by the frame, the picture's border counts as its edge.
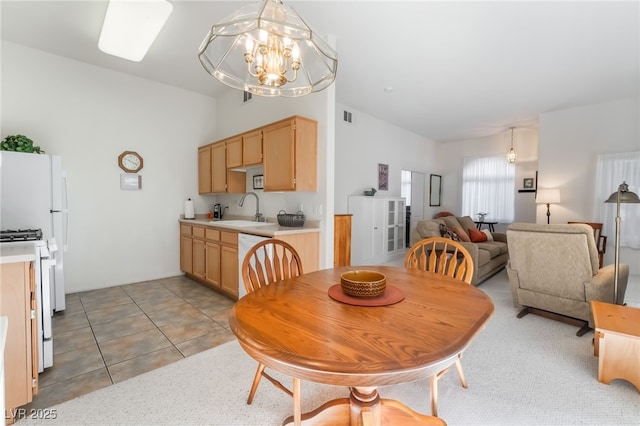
(461, 234)
(477, 236)
(447, 232)
(488, 234)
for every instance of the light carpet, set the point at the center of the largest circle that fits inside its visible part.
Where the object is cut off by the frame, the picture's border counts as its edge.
(529, 371)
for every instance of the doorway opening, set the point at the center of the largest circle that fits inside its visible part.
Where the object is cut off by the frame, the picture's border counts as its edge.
(412, 189)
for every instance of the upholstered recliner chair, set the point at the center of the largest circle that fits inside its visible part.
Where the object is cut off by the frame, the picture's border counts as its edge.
(553, 269)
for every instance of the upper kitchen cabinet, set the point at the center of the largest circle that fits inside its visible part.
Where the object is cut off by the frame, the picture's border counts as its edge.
(252, 148)
(213, 176)
(290, 155)
(204, 169)
(245, 150)
(234, 152)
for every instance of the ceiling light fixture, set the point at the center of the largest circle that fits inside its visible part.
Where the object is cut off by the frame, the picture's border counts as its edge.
(512, 156)
(131, 26)
(267, 49)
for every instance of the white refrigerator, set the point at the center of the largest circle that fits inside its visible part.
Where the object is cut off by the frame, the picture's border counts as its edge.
(33, 195)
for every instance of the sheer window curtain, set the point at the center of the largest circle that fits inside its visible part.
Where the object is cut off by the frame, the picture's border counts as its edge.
(611, 171)
(488, 186)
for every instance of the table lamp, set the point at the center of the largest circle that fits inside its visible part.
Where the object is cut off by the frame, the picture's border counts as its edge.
(622, 195)
(548, 196)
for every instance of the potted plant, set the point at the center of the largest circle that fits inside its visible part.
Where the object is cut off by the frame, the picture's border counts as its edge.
(19, 143)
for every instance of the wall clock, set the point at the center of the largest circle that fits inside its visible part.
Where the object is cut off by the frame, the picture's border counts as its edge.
(130, 161)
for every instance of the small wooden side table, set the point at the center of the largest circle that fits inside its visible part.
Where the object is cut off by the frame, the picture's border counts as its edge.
(489, 224)
(617, 342)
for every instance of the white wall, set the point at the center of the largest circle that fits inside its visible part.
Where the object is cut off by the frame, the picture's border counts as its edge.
(89, 115)
(570, 141)
(451, 156)
(367, 141)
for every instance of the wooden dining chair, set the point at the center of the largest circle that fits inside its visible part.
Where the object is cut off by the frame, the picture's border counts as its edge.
(266, 263)
(447, 257)
(601, 240)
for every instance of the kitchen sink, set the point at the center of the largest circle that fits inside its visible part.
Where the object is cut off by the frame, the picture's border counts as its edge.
(239, 223)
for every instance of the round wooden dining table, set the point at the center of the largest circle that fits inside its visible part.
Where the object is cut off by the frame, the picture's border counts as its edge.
(296, 327)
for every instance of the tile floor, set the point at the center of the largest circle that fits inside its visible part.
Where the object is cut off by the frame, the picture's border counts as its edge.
(109, 335)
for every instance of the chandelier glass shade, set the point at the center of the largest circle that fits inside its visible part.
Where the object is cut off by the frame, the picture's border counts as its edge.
(267, 49)
(512, 156)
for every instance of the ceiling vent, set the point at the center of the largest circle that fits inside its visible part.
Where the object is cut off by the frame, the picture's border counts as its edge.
(247, 96)
(347, 117)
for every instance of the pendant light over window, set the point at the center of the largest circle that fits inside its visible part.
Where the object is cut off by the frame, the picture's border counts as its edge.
(267, 49)
(512, 156)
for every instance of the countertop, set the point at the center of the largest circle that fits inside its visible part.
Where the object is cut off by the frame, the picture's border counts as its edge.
(270, 230)
(17, 252)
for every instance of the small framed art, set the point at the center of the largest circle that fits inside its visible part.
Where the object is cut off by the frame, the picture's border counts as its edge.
(527, 183)
(383, 177)
(258, 182)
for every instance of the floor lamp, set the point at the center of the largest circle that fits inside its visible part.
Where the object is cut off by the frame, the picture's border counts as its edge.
(622, 195)
(548, 196)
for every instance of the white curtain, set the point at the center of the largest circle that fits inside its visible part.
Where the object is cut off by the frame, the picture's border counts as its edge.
(488, 186)
(611, 171)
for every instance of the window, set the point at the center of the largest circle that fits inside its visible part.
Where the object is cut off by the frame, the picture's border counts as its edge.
(611, 171)
(488, 186)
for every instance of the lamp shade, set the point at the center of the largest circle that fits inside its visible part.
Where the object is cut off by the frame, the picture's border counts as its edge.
(548, 196)
(625, 195)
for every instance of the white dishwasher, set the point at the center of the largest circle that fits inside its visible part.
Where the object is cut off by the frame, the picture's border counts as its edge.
(245, 242)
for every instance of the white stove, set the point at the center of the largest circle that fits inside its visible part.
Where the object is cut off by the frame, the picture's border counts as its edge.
(44, 261)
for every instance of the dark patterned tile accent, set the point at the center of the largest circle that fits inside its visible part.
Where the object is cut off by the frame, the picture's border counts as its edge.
(71, 388)
(182, 332)
(64, 321)
(122, 327)
(202, 343)
(72, 340)
(107, 314)
(71, 364)
(133, 345)
(143, 363)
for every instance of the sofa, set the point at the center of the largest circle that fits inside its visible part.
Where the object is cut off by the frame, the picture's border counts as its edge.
(555, 269)
(489, 256)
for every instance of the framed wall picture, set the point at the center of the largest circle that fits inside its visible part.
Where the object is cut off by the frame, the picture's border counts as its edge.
(527, 183)
(435, 189)
(383, 177)
(258, 182)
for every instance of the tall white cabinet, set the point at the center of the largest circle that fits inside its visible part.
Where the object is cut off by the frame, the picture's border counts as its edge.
(378, 229)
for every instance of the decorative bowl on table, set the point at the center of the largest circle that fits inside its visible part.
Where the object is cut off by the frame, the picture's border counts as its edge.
(363, 283)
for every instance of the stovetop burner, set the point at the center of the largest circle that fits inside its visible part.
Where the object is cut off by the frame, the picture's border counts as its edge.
(11, 235)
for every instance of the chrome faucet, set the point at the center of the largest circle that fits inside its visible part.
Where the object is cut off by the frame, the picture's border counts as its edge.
(258, 215)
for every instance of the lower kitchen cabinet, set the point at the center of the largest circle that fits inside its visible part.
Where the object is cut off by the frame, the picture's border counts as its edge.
(229, 268)
(18, 304)
(210, 256)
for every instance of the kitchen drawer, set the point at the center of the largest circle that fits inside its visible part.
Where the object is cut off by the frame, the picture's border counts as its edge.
(230, 238)
(212, 234)
(185, 229)
(198, 231)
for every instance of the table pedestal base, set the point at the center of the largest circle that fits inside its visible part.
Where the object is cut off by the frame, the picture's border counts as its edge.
(365, 407)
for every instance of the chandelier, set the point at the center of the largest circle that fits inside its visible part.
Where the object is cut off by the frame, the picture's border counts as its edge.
(267, 49)
(512, 156)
